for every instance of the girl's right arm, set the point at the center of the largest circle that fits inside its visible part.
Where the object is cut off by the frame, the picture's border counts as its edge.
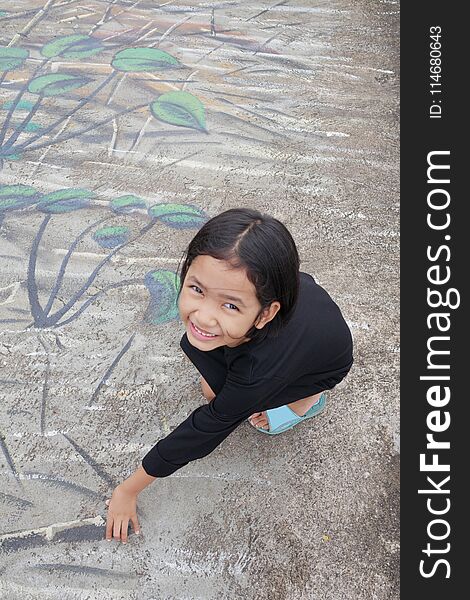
(137, 481)
(122, 507)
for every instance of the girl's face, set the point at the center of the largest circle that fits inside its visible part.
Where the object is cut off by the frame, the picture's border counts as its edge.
(221, 302)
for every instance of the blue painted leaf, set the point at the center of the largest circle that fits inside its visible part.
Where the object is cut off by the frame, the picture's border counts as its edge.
(178, 216)
(16, 196)
(72, 46)
(30, 127)
(143, 59)
(163, 286)
(22, 105)
(66, 200)
(127, 204)
(56, 83)
(110, 237)
(181, 109)
(12, 58)
(13, 157)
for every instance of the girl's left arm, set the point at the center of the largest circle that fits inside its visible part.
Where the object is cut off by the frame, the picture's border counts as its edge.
(122, 507)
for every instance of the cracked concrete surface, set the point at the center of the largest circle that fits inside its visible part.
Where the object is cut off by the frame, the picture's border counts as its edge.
(301, 110)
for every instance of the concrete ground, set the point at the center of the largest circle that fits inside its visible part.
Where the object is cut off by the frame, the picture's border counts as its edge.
(291, 108)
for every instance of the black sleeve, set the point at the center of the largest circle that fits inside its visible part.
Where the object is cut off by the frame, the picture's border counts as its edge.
(208, 425)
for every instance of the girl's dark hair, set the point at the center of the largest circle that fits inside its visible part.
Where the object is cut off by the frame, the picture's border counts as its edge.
(261, 245)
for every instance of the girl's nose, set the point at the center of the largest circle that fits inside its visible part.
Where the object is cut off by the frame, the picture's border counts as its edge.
(206, 322)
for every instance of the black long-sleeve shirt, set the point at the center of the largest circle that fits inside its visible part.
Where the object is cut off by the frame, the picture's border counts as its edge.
(313, 352)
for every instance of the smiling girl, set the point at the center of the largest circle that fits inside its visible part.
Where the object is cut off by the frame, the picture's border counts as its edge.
(265, 337)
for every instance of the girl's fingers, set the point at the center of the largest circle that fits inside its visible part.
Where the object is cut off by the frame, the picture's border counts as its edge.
(109, 528)
(135, 522)
(117, 530)
(124, 531)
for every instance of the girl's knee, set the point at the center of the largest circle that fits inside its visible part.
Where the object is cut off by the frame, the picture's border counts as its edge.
(206, 390)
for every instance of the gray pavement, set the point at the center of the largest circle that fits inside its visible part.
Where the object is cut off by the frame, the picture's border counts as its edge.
(289, 107)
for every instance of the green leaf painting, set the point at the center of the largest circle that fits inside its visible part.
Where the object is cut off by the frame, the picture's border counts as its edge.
(110, 237)
(64, 201)
(163, 287)
(16, 196)
(178, 216)
(12, 58)
(30, 127)
(56, 83)
(143, 59)
(180, 108)
(22, 105)
(72, 47)
(127, 204)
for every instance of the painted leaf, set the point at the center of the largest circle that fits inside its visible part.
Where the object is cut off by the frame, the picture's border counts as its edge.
(178, 216)
(22, 105)
(12, 58)
(65, 200)
(163, 286)
(127, 204)
(180, 108)
(16, 196)
(72, 46)
(110, 237)
(143, 59)
(31, 126)
(56, 83)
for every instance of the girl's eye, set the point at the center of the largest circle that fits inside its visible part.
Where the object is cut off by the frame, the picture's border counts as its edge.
(232, 305)
(198, 289)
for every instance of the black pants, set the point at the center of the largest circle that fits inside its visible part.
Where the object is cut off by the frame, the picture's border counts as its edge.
(212, 366)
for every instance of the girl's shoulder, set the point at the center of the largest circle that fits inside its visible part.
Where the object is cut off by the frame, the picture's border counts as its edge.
(312, 291)
(316, 327)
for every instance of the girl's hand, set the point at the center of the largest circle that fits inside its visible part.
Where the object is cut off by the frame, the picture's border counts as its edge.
(121, 508)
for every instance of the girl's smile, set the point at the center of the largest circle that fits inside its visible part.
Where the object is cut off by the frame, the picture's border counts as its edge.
(218, 304)
(199, 333)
